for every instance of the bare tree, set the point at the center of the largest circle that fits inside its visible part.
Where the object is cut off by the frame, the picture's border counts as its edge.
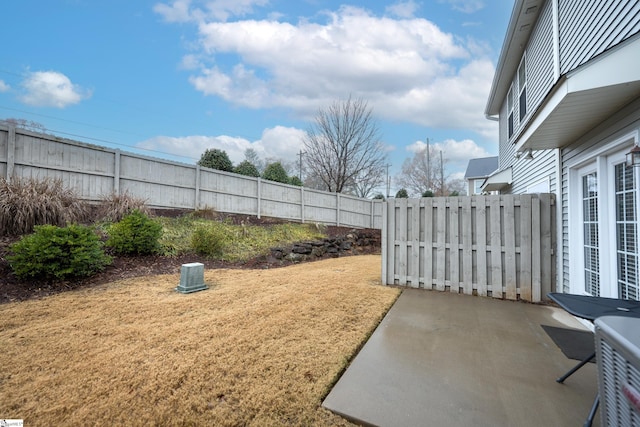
(26, 124)
(343, 143)
(251, 156)
(425, 172)
(366, 181)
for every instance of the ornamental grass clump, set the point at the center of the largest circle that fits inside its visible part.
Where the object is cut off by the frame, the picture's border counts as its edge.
(27, 202)
(135, 234)
(56, 253)
(115, 206)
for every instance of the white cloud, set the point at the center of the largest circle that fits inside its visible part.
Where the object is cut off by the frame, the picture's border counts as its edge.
(219, 10)
(451, 101)
(178, 11)
(456, 153)
(403, 9)
(452, 149)
(190, 62)
(4, 87)
(407, 69)
(279, 142)
(465, 6)
(51, 89)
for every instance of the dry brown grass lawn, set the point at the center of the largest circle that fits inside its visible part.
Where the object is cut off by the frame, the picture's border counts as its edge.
(260, 347)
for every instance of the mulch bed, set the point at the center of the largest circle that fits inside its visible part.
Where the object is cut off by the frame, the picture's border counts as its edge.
(11, 289)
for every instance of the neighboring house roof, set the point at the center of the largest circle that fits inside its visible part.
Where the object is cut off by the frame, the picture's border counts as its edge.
(481, 168)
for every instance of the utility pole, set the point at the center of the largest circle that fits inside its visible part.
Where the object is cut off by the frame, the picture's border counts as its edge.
(300, 167)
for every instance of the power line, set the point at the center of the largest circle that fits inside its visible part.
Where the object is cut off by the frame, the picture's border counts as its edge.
(106, 141)
(71, 121)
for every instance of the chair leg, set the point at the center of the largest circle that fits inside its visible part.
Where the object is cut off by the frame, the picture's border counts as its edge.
(592, 414)
(575, 368)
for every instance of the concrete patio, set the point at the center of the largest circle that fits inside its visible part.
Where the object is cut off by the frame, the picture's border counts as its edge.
(442, 359)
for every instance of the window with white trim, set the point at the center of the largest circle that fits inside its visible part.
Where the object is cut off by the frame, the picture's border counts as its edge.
(522, 87)
(477, 186)
(590, 236)
(626, 231)
(510, 110)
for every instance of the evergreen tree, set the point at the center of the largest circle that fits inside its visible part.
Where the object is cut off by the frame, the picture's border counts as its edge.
(275, 172)
(294, 180)
(402, 194)
(216, 159)
(247, 168)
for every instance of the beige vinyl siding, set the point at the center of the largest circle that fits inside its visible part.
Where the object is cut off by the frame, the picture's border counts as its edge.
(588, 28)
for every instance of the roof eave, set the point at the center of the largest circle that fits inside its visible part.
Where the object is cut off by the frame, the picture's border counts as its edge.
(512, 47)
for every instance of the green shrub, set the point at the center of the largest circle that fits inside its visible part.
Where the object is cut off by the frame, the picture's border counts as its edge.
(135, 234)
(53, 252)
(25, 203)
(114, 207)
(275, 172)
(216, 159)
(247, 168)
(402, 194)
(209, 240)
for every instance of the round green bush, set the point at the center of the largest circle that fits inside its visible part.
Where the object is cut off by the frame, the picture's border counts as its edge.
(208, 241)
(53, 252)
(135, 234)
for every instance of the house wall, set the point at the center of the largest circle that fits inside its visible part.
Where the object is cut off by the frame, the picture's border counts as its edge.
(599, 142)
(584, 30)
(540, 80)
(588, 28)
(539, 52)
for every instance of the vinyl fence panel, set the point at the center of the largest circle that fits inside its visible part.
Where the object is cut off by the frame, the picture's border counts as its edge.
(95, 172)
(498, 246)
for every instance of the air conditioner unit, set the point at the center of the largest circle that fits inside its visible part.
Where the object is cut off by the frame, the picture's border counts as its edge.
(617, 341)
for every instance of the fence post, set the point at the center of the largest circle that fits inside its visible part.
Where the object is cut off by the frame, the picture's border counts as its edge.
(116, 172)
(259, 183)
(11, 151)
(337, 209)
(196, 202)
(383, 243)
(302, 204)
(372, 211)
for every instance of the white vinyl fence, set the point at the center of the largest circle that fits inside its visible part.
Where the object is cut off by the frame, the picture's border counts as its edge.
(95, 172)
(499, 246)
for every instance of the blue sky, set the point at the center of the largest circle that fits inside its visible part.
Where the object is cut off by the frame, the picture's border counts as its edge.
(177, 77)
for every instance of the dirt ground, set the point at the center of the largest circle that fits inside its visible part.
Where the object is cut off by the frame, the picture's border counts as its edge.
(260, 347)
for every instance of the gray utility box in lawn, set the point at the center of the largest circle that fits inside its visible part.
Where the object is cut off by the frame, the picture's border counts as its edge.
(191, 278)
